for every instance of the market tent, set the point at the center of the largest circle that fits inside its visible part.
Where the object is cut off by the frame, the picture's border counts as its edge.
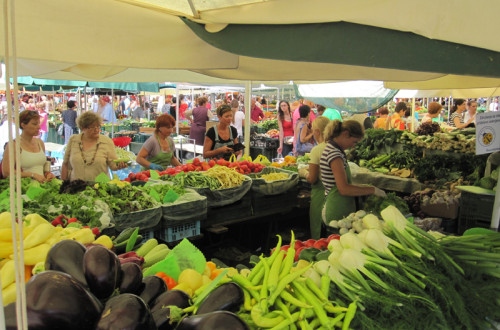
(455, 93)
(157, 40)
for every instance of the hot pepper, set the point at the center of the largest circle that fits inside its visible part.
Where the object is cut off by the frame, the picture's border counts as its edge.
(170, 282)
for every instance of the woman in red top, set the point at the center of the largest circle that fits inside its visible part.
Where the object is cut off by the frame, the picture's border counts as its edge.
(285, 123)
(182, 106)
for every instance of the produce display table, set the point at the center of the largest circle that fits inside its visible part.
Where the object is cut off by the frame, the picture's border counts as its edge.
(386, 182)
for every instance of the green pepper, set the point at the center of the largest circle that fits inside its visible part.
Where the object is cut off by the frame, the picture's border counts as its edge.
(308, 254)
(323, 255)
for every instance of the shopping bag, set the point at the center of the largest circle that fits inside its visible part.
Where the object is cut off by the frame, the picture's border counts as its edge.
(60, 130)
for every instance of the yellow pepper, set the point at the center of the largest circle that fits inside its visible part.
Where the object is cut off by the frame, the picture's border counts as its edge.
(5, 220)
(105, 241)
(8, 273)
(6, 249)
(84, 236)
(9, 294)
(36, 254)
(34, 220)
(39, 235)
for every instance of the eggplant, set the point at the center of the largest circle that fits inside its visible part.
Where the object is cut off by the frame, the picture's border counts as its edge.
(177, 298)
(126, 311)
(102, 271)
(226, 297)
(220, 320)
(55, 300)
(131, 278)
(153, 287)
(67, 256)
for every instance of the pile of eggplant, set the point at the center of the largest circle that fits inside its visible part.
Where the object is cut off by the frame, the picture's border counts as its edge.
(87, 288)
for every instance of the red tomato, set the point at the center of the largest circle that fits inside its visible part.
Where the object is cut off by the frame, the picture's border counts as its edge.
(170, 171)
(196, 161)
(127, 179)
(251, 166)
(131, 176)
(221, 162)
(333, 236)
(211, 163)
(285, 247)
(298, 243)
(205, 167)
(146, 173)
(204, 163)
(297, 252)
(309, 242)
(321, 244)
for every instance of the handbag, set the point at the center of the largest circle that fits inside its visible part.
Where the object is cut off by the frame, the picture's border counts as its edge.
(60, 130)
(288, 140)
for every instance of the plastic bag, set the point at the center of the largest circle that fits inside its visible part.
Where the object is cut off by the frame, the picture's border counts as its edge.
(263, 187)
(187, 208)
(60, 130)
(144, 219)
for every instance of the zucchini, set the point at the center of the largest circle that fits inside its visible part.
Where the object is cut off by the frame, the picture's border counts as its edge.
(152, 258)
(157, 248)
(146, 247)
(124, 235)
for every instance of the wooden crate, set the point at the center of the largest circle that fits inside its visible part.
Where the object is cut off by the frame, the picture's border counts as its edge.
(148, 130)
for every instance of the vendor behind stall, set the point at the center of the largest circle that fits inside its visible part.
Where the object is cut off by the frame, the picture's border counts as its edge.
(312, 175)
(158, 151)
(89, 154)
(222, 135)
(335, 172)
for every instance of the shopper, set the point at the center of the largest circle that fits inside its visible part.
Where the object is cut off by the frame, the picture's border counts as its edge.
(313, 176)
(221, 136)
(33, 157)
(397, 119)
(183, 106)
(198, 117)
(335, 172)
(238, 118)
(456, 112)
(304, 140)
(158, 151)
(471, 113)
(381, 121)
(44, 116)
(108, 114)
(285, 123)
(89, 153)
(256, 113)
(69, 120)
(433, 111)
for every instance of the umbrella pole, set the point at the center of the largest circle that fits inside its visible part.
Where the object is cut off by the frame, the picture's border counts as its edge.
(248, 110)
(112, 114)
(177, 110)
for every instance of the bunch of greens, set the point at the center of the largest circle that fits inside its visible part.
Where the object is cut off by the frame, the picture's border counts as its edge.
(163, 189)
(121, 200)
(374, 141)
(428, 128)
(269, 124)
(443, 168)
(376, 204)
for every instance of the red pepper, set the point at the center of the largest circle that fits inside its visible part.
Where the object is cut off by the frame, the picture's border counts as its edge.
(60, 220)
(96, 231)
(128, 255)
(170, 282)
(71, 220)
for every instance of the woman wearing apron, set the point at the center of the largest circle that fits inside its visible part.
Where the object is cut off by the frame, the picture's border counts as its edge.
(158, 151)
(220, 136)
(312, 175)
(335, 172)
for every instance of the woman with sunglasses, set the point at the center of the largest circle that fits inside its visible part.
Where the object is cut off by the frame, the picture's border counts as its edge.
(220, 136)
(158, 151)
(89, 154)
(33, 157)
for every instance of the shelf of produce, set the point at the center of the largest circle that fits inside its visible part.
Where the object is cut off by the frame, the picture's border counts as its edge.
(386, 182)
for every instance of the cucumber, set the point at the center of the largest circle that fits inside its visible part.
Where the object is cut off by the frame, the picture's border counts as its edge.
(124, 235)
(146, 247)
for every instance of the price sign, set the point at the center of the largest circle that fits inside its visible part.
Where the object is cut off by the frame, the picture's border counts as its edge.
(487, 132)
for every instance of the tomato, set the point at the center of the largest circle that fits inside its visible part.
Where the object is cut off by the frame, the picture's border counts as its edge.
(221, 162)
(127, 179)
(251, 166)
(298, 243)
(245, 168)
(235, 164)
(204, 163)
(205, 167)
(211, 163)
(333, 236)
(321, 244)
(147, 173)
(170, 171)
(131, 176)
(309, 242)
(196, 161)
(297, 252)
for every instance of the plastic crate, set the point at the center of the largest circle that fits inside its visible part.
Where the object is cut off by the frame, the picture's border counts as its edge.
(178, 232)
(140, 138)
(475, 211)
(155, 232)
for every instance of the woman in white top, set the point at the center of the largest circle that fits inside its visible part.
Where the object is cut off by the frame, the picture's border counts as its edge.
(33, 157)
(238, 118)
(456, 119)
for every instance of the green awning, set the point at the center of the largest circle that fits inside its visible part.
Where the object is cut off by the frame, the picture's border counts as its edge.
(130, 87)
(352, 44)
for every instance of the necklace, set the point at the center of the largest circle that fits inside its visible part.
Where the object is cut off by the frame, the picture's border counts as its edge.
(93, 157)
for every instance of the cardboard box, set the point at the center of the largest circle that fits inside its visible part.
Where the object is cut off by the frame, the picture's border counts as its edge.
(448, 211)
(148, 130)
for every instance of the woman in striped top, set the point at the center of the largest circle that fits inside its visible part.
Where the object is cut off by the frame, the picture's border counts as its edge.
(335, 172)
(456, 119)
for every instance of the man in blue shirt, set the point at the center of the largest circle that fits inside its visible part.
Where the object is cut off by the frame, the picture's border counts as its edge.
(108, 114)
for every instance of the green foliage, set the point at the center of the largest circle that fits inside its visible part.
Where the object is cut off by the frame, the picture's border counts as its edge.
(269, 124)
(376, 204)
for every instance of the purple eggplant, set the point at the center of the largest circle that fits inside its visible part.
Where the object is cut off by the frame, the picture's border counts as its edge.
(126, 311)
(226, 297)
(172, 297)
(102, 271)
(131, 279)
(55, 300)
(153, 287)
(67, 256)
(221, 320)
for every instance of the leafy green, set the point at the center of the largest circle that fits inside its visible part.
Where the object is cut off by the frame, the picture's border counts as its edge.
(269, 124)
(376, 204)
